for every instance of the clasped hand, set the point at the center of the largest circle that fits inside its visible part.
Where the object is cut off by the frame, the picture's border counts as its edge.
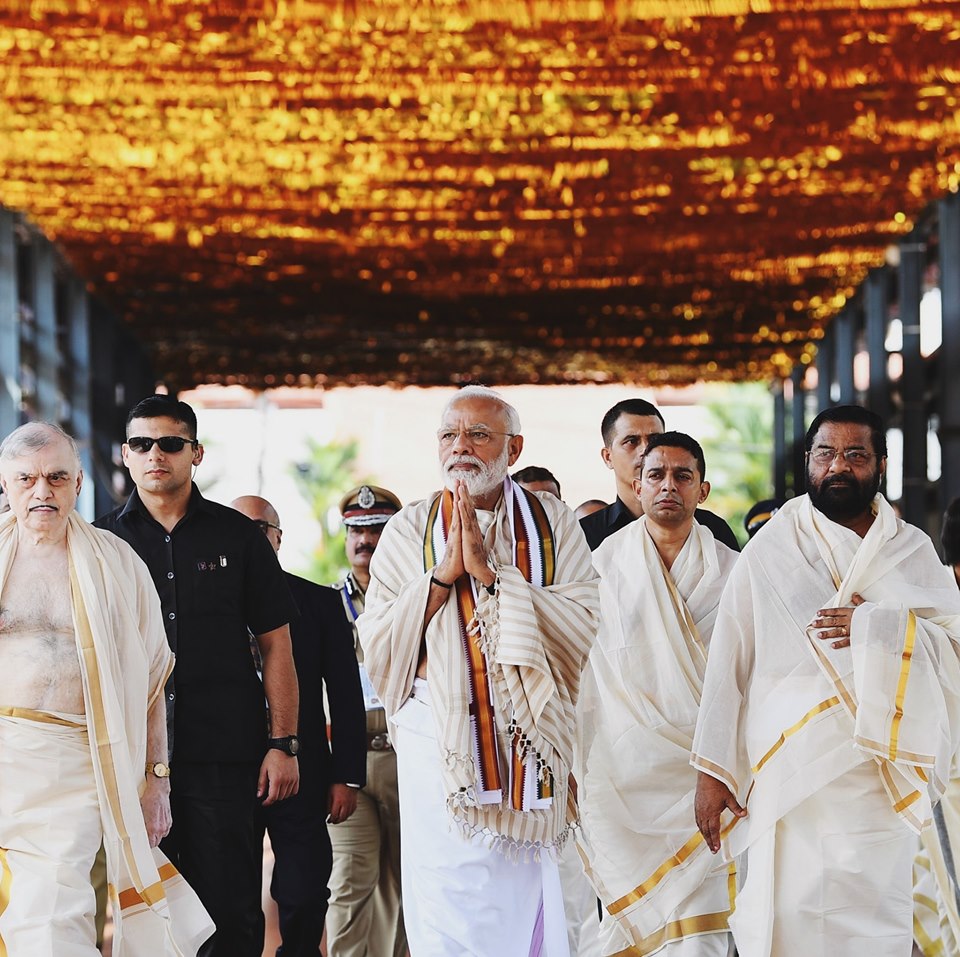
(835, 623)
(466, 551)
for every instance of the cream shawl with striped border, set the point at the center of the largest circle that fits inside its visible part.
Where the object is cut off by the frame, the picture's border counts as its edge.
(536, 640)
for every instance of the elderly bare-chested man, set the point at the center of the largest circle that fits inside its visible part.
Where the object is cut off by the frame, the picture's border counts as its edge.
(83, 743)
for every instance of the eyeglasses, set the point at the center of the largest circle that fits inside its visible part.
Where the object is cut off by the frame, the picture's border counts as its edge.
(263, 525)
(167, 443)
(477, 437)
(826, 456)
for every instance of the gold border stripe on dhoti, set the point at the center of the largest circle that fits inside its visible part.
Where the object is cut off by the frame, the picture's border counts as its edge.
(41, 717)
(131, 896)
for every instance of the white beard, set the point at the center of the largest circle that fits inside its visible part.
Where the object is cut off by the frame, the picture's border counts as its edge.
(488, 477)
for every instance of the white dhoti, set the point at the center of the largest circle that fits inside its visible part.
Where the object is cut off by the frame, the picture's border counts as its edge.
(463, 896)
(50, 833)
(833, 876)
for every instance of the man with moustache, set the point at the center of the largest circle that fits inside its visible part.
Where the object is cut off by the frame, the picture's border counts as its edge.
(480, 613)
(625, 429)
(365, 917)
(830, 709)
(83, 742)
(660, 584)
(331, 771)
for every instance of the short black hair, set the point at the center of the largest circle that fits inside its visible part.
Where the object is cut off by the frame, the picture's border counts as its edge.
(626, 407)
(852, 414)
(164, 406)
(535, 473)
(677, 440)
(950, 533)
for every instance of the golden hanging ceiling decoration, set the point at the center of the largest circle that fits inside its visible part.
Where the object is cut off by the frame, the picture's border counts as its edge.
(273, 191)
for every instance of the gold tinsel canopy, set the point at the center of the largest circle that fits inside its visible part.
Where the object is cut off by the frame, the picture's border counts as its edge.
(374, 191)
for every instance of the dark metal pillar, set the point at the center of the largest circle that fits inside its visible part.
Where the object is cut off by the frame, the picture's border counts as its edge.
(81, 423)
(876, 304)
(950, 348)
(779, 442)
(48, 356)
(846, 337)
(9, 327)
(797, 408)
(912, 259)
(825, 365)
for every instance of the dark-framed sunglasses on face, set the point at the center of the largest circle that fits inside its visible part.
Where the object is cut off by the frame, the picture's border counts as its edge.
(167, 443)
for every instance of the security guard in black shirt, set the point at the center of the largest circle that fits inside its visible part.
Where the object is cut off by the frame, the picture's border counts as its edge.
(217, 577)
(625, 430)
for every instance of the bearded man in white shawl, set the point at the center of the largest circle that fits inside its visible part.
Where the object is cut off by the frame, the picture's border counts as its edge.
(830, 715)
(83, 743)
(661, 579)
(480, 613)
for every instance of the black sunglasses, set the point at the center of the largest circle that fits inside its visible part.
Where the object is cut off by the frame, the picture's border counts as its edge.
(167, 443)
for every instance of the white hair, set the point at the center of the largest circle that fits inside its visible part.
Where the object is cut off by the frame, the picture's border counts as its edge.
(482, 392)
(34, 436)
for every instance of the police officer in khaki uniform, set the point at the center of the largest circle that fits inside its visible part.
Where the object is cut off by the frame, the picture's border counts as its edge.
(364, 918)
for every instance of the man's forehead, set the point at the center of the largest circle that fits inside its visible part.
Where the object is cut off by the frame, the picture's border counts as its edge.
(670, 456)
(844, 434)
(475, 412)
(628, 424)
(56, 456)
(156, 427)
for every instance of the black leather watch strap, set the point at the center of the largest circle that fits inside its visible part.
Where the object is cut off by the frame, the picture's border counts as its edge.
(288, 745)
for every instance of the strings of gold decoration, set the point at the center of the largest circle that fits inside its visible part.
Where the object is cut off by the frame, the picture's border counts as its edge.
(283, 191)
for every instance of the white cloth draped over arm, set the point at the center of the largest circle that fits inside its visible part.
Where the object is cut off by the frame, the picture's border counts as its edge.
(719, 743)
(542, 636)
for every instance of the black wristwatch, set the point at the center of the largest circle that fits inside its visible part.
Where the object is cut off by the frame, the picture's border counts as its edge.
(288, 745)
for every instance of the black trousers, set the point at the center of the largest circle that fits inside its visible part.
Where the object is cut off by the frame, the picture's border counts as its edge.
(303, 861)
(217, 844)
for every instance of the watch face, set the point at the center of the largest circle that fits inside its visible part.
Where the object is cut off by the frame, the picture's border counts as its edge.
(294, 745)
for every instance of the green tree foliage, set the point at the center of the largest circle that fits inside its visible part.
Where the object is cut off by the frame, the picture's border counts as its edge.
(739, 452)
(322, 478)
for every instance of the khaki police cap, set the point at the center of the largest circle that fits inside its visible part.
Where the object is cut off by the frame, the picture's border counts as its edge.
(368, 505)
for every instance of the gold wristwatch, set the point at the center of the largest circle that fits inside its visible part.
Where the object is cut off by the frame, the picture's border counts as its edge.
(159, 769)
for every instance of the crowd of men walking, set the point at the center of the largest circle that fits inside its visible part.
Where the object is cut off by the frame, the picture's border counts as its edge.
(503, 715)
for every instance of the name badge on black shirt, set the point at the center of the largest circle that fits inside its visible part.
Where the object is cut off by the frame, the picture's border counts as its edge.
(212, 565)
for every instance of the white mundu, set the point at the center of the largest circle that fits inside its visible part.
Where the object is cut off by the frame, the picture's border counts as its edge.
(70, 779)
(836, 753)
(638, 708)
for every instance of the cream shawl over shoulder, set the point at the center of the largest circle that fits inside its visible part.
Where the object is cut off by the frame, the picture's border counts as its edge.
(536, 640)
(784, 714)
(636, 717)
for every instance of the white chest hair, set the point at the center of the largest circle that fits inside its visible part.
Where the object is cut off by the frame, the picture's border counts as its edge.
(39, 663)
(36, 597)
